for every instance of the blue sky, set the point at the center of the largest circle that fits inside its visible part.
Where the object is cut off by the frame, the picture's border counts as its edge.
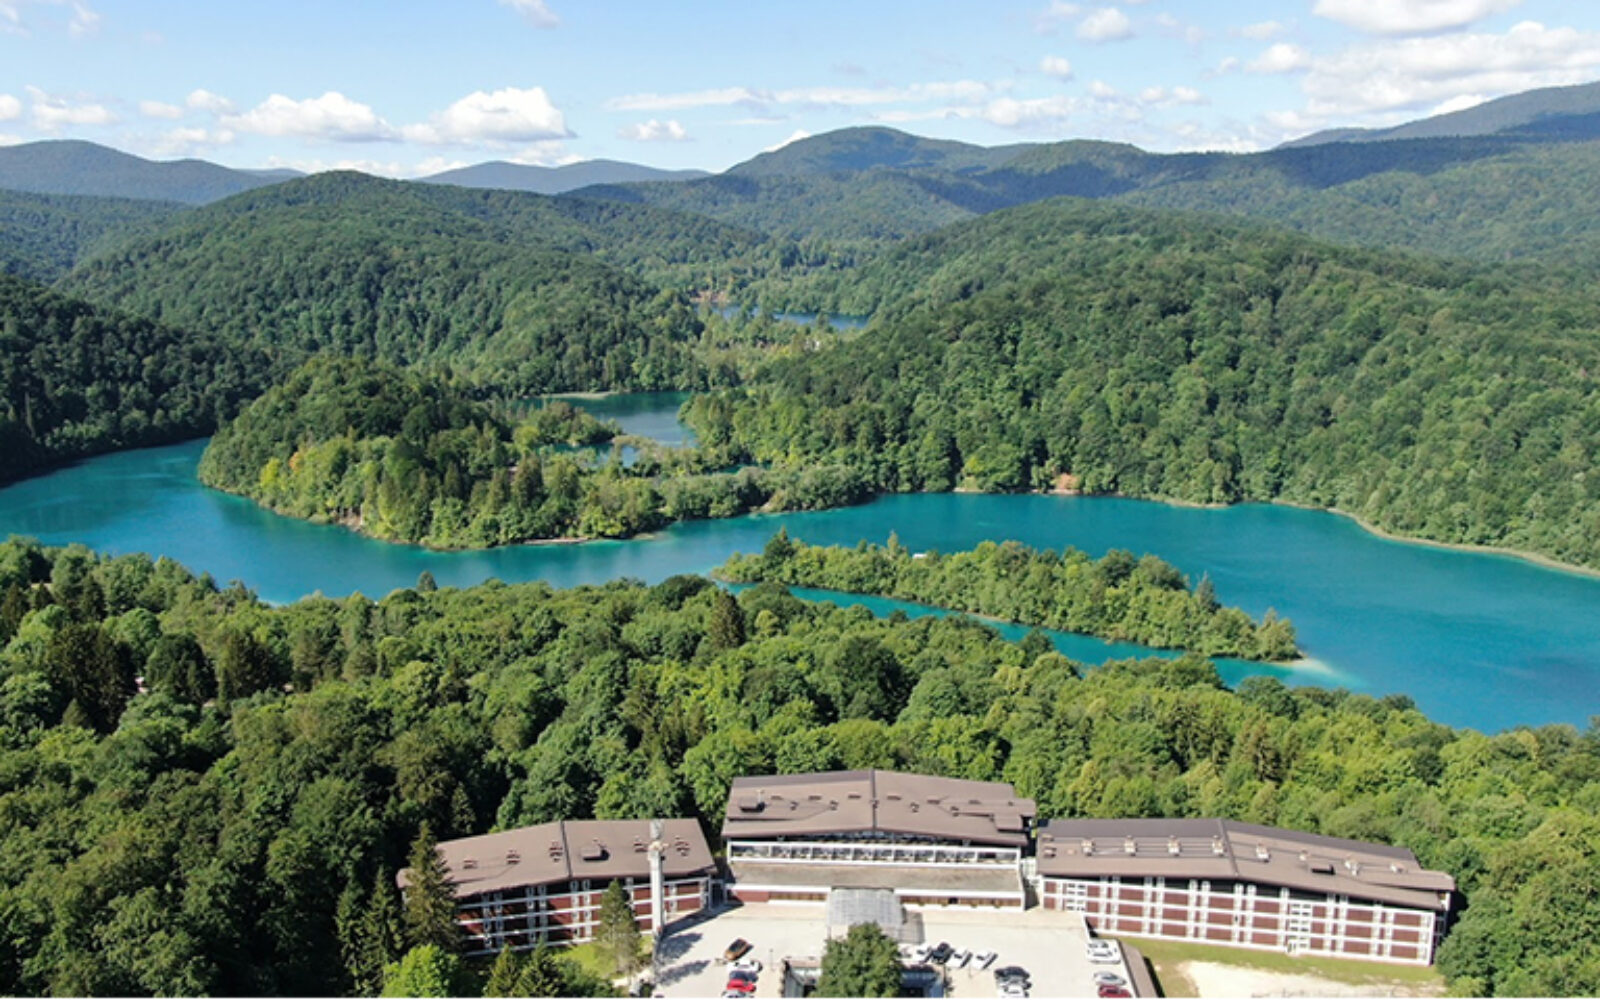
(404, 88)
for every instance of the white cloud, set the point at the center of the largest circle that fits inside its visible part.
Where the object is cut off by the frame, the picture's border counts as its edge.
(1228, 65)
(159, 109)
(186, 141)
(1192, 34)
(1418, 73)
(83, 21)
(506, 115)
(1162, 97)
(1262, 30)
(1187, 95)
(1102, 90)
(545, 153)
(205, 100)
(795, 137)
(10, 108)
(333, 117)
(1283, 57)
(682, 101)
(1057, 67)
(7, 139)
(313, 165)
(51, 111)
(654, 130)
(1409, 17)
(843, 97)
(537, 12)
(1106, 24)
(1051, 17)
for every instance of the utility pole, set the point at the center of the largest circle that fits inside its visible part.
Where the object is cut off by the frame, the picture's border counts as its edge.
(658, 907)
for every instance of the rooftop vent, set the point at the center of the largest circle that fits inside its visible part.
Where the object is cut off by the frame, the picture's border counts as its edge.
(892, 797)
(469, 862)
(814, 797)
(1217, 847)
(1305, 855)
(681, 846)
(1397, 867)
(913, 806)
(751, 804)
(639, 846)
(556, 851)
(1353, 865)
(1129, 847)
(1322, 868)
(512, 857)
(833, 804)
(934, 800)
(1262, 854)
(1088, 846)
(593, 851)
(1049, 852)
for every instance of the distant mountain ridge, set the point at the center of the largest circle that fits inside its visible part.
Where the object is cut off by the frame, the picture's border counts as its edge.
(500, 175)
(1533, 111)
(72, 166)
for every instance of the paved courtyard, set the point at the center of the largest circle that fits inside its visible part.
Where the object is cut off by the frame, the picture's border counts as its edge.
(1049, 944)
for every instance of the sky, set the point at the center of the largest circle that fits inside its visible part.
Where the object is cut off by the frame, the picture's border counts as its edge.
(407, 88)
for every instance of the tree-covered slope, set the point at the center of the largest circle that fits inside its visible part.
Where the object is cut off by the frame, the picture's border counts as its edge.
(510, 288)
(403, 455)
(1079, 345)
(43, 235)
(1118, 597)
(76, 380)
(233, 829)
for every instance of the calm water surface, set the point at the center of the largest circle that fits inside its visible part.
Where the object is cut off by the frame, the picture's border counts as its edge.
(1480, 640)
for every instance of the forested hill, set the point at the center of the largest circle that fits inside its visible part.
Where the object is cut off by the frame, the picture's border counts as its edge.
(71, 166)
(235, 828)
(76, 380)
(1074, 344)
(43, 235)
(1495, 197)
(517, 291)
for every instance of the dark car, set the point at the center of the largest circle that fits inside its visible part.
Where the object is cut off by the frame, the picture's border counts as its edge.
(1011, 974)
(739, 949)
(941, 954)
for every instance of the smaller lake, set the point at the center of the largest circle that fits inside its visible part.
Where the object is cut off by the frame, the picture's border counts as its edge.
(801, 318)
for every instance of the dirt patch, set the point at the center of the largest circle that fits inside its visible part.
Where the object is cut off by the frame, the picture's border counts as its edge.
(1213, 979)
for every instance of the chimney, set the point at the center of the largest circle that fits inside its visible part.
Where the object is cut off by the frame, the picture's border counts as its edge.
(1129, 847)
(1262, 854)
(1088, 846)
(513, 856)
(1217, 847)
(1172, 846)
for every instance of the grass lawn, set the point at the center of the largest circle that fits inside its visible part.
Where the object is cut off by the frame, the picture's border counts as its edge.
(1166, 956)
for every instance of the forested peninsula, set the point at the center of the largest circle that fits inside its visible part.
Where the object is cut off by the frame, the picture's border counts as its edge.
(1118, 596)
(402, 455)
(203, 794)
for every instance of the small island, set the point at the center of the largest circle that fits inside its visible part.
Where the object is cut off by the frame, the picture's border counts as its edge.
(1118, 596)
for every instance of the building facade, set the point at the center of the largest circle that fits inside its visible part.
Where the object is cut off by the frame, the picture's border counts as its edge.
(543, 883)
(1248, 886)
(934, 841)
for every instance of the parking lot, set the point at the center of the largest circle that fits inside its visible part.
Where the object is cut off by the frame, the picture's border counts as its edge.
(1049, 944)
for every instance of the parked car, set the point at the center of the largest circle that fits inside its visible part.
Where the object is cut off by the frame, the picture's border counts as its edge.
(1104, 951)
(740, 987)
(741, 975)
(920, 954)
(1114, 991)
(747, 964)
(960, 957)
(737, 950)
(1012, 991)
(942, 953)
(1109, 979)
(1011, 974)
(983, 959)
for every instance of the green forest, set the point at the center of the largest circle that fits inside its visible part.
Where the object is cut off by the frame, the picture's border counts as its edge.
(76, 380)
(1118, 596)
(404, 456)
(1078, 346)
(201, 793)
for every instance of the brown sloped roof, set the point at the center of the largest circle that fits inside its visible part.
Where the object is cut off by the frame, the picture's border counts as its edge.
(843, 802)
(1224, 849)
(552, 853)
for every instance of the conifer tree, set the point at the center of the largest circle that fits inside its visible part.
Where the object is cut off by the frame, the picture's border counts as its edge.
(380, 937)
(505, 975)
(618, 933)
(430, 911)
(726, 630)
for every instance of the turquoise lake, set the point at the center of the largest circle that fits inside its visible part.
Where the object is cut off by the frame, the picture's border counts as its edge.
(1476, 639)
